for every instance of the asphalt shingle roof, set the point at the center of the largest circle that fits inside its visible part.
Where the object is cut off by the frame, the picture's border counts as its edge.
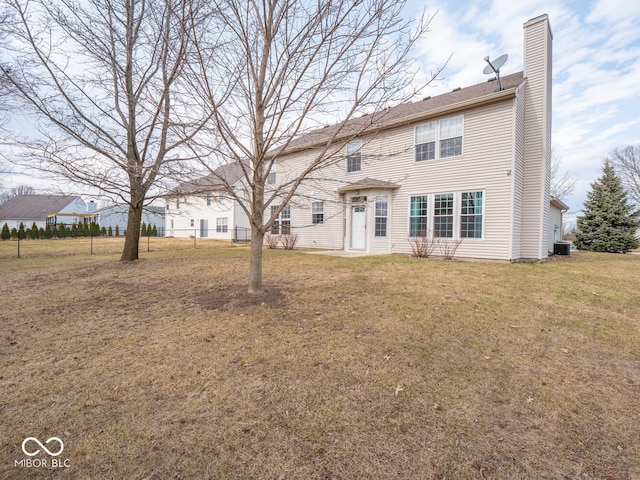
(34, 206)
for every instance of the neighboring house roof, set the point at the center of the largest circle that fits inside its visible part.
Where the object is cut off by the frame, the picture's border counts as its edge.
(226, 174)
(35, 206)
(556, 202)
(405, 113)
(368, 183)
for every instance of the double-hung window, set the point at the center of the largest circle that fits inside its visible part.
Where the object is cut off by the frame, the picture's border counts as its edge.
(354, 156)
(418, 216)
(451, 136)
(222, 225)
(425, 141)
(382, 208)
(208, 199)
(317, 212)
(443, 215)
(282, 224)
(271, 178)
(471, 215)
(439, 139)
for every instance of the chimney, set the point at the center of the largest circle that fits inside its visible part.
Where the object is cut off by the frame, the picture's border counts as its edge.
(92, 206)
(537, 145)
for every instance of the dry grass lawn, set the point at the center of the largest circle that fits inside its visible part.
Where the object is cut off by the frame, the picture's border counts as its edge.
(368, 368)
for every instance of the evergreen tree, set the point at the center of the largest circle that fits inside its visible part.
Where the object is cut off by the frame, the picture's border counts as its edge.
(74, 230)
(21, 232)
(14, 233)
(103, 231)
(144, 229)
(117, 231)
(154, 231)
(62, 232)
(609, 222)
(6, 233)
(47, 231)
(35, 231)
(110, 231)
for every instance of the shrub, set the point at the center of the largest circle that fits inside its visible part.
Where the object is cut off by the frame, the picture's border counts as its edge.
(271, 241)
(14, 233)
(47, 231)
(6, 233)
(35, 231)
(448, 248)
(104, 231)
(289, 240)
(422, 246)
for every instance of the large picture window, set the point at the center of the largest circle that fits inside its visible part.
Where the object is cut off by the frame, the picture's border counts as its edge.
(382, 208)
(418, 216)
(471, 215)
(354, 156)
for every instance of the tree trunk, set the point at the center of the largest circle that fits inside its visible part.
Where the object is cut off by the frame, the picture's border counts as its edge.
(132, 235)
(255, 263)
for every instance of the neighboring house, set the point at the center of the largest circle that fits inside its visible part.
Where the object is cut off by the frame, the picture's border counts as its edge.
(117, 215)
(203, 209)
(54, 209)
(472, 165)
(558, 207)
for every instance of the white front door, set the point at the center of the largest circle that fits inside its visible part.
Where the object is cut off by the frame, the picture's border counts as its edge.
(358, 227)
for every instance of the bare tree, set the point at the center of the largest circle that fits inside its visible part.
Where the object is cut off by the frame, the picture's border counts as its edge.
(14, 192)
(104, 80)
(561, 186)
(626, 161)
(276, 69)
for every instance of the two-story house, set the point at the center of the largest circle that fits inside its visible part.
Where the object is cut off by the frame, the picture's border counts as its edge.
(202, 208)
(471, 166)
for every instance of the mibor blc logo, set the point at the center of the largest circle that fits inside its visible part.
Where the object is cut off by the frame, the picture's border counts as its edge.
(53, 447)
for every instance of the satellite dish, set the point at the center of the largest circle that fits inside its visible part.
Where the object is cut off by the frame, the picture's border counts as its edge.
(494, 67)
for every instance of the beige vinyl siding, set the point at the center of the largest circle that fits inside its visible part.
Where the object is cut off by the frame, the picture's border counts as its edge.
(518, 174)
(483, 166)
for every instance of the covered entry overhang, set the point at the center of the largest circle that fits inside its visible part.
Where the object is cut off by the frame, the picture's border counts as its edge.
(367, 215)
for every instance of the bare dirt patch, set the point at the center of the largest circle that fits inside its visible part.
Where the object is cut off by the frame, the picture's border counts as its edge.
(226, 297)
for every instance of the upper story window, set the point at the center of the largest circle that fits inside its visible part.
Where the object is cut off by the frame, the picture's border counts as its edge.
(271, 178)
(354, 156)
(447, 132)
(425, 141)
(451, 136)
(208, 199)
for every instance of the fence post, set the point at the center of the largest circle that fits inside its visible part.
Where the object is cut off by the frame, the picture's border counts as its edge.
(194, 238)
(18, 243)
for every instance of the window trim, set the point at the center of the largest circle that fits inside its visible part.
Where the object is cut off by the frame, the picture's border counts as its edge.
(354, 158)
(317, 213)
(378, 217)
(222, 224)
(439, 141)
(457, 221)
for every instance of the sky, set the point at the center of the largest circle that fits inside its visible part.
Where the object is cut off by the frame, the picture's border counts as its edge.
(596, 69)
